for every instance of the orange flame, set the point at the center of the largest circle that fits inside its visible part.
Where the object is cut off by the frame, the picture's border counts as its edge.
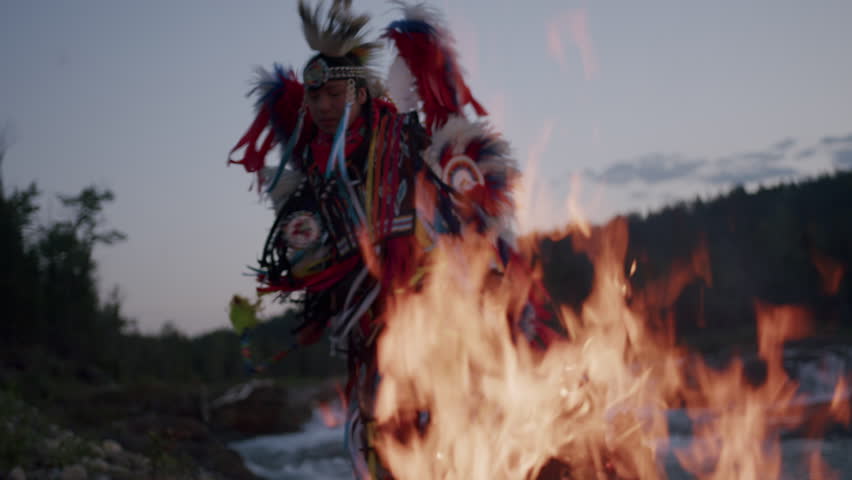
(742, 441)
(497, 408)
(819, 470)
(574, 209)
(830, 271)
(595, 406)
(840, 408)
(528, 197)
(333, 412)
(554, 44)
(576, 22)
(330, 417)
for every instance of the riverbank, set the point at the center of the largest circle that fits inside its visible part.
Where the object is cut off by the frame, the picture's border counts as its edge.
(69, 423)
(32, 447)
(147, 431)
(61, 427)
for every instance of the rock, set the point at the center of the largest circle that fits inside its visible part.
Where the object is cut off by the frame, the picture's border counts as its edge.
(97, 450)
(205, 475)
(115, 472)
(138, 462)
(52, 443)
(74, 472)
(159, 435)
(17, 473)
(111, 447)
(97, 464)
(258, 407)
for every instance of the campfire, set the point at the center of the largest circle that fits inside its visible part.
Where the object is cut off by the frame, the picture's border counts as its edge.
(464, 396)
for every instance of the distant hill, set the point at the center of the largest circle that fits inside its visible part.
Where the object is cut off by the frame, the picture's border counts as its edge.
(788, 244)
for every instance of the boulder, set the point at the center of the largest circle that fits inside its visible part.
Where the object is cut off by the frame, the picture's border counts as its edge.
(74, 472)
(17, 473)
(175, 438)
(258, 407)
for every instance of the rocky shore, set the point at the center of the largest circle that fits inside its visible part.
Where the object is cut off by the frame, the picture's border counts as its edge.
(155, 430)
(149, 431)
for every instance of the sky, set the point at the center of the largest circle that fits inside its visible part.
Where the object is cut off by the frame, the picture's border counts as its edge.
(618, 106)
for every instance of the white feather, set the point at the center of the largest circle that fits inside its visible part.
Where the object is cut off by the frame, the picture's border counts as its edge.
(423, 13)
(341, 32)
(287, 184)
(401, 86)
(457, 134)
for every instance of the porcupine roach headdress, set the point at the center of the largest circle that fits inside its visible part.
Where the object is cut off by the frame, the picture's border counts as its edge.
(343, 51)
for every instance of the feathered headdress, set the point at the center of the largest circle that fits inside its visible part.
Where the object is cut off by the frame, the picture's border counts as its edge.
(341, 35)
(428, 64)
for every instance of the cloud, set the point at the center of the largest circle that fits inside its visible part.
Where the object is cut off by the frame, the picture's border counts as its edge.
(806, 153)
(775, 153)
(748, 167)
(837, 147)
(576, 22)
(784, 145)
(750, 173)
(769, 156)
(651, 168)
(755, 166)
(774, 162)
(835, 141)
(843, 159)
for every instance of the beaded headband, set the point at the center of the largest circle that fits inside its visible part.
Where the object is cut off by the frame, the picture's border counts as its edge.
(317, 73)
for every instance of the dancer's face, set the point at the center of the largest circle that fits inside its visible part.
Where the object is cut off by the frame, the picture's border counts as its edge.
(326, 104)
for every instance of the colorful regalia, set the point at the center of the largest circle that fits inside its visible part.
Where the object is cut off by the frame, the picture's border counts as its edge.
(358, 212)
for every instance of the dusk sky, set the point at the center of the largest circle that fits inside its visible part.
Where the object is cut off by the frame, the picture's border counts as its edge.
(624, 105)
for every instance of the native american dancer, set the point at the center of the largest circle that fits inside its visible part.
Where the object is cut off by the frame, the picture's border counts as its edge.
(363, 189)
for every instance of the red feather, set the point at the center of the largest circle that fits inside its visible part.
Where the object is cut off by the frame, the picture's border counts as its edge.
(277, 115)
(434, 66)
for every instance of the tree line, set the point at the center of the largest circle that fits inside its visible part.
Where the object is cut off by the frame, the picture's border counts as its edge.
(789, 244)
(57, 325)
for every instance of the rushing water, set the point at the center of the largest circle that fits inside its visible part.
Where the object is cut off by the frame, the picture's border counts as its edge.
(317, 452)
